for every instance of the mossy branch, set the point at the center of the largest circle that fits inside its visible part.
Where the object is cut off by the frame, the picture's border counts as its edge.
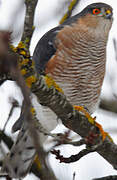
(71, 7)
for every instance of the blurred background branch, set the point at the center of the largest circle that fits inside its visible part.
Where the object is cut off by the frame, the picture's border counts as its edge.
(109, 105)
(71, 7)
(29, 18)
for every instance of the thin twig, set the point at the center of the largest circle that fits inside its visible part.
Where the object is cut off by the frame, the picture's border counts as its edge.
(28, 26)
(72, 158)
(74, 175)
(6, 139)
(14, 105)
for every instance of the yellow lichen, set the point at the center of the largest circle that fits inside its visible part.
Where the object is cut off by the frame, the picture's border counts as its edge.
(32, 110)
(21, 45)
(30, 80)
(88, 116)
(109, 137)
(24, 61)
(33, 27)
(70, 7)
(37, 162)
(23, 71)
(33, 63)
(93, 121)
(50, 82)
(23, 53)
(103, 133)
(27, 40)
(13, 48)
(72, 4)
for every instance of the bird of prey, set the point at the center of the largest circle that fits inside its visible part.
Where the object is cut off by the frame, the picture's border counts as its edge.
(74, 55)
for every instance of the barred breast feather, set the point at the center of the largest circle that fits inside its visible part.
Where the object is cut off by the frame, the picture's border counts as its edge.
(78, 66)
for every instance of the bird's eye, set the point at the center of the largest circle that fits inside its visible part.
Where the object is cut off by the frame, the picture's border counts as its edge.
(96, 11)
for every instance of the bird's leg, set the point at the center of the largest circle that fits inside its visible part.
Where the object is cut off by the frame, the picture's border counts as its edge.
(92, 121)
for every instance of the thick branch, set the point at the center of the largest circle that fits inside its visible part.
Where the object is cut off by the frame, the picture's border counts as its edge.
(72, 118)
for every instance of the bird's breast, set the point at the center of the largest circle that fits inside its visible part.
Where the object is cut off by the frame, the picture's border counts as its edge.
(78, 68)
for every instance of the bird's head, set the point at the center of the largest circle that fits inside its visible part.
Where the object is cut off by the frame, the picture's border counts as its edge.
(99, 10)
(98, 16)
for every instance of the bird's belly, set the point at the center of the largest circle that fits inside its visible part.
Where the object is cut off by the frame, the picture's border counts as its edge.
(80, 74)
(80, 92)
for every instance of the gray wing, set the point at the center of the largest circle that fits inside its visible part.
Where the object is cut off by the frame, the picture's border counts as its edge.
(45, 49)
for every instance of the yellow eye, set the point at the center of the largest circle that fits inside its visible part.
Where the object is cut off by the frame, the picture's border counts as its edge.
(96, 11)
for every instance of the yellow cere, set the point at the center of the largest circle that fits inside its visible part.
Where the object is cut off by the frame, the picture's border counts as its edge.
(30, 80)
(108, 11)
(50, 82)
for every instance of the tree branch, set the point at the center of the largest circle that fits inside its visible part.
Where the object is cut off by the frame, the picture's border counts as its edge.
(109, 105)
(71, 7)
(72, 158)
(73, 119)
(28, 26)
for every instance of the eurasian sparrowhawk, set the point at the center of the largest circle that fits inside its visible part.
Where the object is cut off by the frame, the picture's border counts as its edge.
(74, 55)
